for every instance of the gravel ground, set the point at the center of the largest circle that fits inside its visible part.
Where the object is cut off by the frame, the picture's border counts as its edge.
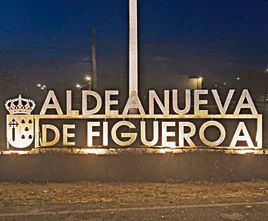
(117, 194)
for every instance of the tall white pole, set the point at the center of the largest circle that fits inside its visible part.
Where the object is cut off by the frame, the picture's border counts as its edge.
(133, 46)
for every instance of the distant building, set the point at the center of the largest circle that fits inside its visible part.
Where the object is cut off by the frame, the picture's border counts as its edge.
(150, 81)
(195, 83)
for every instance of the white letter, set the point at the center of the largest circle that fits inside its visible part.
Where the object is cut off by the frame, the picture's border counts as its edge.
(245, 95)
(133, 103)
(67, 135)
(45, 127)
(212, 143)
(109, 102)
(55, 105)
(186, 136)
(153, 97)
(187, 102)
(223, 109)
(69, 104)
(246, 137)
(198, 102)
(155, 134)
(166, 134)
(132, 136)
(105, 137)
(85, 111)
(91, 133)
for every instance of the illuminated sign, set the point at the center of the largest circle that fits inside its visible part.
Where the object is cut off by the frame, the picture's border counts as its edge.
(172, 127)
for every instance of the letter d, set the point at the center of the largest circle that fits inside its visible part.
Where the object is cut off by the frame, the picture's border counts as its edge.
(56, 139)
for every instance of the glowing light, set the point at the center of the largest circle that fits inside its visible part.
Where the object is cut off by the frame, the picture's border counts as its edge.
(78, 85)
(243, 152)
(238, 78)
(42, 87)
(18, 152)
(94, 151)
(200, 79)
(88, 78)
(160, 150)
(169, 151)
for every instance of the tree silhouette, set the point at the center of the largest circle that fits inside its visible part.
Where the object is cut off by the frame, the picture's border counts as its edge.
(256, 81)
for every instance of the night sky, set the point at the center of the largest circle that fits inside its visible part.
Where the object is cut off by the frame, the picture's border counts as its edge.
(232, 34)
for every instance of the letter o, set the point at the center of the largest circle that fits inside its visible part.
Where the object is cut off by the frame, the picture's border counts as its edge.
(205, 140)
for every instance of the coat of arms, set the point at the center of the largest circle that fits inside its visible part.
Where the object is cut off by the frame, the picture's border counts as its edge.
(20, 124)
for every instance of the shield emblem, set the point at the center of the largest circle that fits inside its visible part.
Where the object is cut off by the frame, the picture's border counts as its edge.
(20, 130)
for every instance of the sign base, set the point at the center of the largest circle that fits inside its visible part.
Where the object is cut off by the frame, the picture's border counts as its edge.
(60, 165)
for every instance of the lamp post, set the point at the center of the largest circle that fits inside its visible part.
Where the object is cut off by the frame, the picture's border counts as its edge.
(94, 61)
(80, 87)
(87, 78)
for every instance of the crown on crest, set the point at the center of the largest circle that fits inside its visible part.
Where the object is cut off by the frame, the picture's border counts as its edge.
(20, 106)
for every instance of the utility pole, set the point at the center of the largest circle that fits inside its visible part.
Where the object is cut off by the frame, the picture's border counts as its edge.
(94, 62)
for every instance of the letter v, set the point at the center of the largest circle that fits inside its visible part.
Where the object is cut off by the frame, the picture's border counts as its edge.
(223, 109)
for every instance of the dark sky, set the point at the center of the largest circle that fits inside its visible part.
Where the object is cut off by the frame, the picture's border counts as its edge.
(236, 29)
(68, 22)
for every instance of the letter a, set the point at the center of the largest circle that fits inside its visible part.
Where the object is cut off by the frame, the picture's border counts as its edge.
(55, 105)
(237, 137)
(133, 103)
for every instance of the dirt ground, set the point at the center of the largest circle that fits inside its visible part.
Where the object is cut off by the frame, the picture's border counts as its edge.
(117, 194)
(202, 201)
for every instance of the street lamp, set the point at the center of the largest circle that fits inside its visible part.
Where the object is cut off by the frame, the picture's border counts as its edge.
(42, 87)
(87, 78)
